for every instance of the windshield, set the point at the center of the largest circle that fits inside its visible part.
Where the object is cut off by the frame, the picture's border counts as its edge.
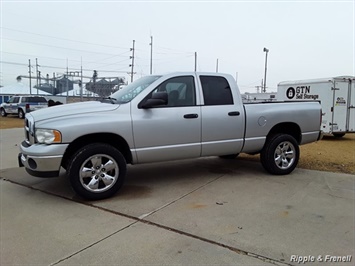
(129, 92)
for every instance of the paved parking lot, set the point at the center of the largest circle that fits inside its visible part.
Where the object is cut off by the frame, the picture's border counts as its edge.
(205, 211)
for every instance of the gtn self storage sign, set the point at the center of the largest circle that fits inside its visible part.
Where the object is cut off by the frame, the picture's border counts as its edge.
(301, 93)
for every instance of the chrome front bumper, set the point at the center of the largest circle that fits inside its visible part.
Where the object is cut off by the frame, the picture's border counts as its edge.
(41, 160)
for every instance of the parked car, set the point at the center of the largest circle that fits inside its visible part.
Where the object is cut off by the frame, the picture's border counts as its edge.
(161, 118)
(21, 105)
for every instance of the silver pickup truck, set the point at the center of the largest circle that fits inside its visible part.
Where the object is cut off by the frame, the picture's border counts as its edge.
(159, 118)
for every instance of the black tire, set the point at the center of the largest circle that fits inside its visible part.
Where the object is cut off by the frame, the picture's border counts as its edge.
(99, 164)
(229, 156)
(338, 135)
(280, 154)
(3, 113)
(21, 114)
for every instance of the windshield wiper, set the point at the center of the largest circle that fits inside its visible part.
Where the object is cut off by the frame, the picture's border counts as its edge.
(112, 100)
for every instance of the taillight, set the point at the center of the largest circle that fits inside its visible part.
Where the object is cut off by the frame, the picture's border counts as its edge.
(27, 106)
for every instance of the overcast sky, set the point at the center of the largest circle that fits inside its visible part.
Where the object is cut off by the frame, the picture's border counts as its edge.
(306, 39)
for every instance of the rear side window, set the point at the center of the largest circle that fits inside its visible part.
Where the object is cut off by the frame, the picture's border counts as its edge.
(36, 99)
(216, 90)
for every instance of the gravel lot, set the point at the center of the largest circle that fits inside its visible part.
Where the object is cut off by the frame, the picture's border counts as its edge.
(330, 154)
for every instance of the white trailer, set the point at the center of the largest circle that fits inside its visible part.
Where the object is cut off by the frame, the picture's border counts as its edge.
(337, 97)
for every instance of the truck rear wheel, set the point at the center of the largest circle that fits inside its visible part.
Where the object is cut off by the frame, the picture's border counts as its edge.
(97, 171)
(280, 154)
(3, 113)
(21, 114)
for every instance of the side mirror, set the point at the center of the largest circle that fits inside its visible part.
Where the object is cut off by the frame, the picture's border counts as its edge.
(158, 99)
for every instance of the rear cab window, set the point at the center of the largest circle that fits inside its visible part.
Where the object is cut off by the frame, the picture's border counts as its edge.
(216, 90)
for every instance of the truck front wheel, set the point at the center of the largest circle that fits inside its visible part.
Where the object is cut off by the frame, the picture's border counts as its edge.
(97, 171)
(280, 154)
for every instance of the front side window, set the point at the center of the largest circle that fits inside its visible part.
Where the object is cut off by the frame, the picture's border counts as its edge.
(180, 90)
(216, 90)
(11, 100)
(129, 92)
(15, 99)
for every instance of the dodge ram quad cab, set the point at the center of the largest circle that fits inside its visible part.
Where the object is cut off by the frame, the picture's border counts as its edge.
(159, 118)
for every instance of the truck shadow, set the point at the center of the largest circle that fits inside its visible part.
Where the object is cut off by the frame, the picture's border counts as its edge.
(192, 167)
(331, 138)
(155, 180)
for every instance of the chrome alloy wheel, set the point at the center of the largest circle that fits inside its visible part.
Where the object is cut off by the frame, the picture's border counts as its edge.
(99, 173)
(284, 155)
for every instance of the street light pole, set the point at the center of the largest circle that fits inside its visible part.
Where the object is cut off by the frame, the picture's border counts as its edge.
(265, 50)
(151, 55)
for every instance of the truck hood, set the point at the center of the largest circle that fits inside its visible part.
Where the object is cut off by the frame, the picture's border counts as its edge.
(72, 109)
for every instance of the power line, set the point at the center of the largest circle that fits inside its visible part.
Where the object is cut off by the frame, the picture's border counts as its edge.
(110, 64)
(60, 47)
(13, 63)
(72, 60)
(61, 68)
(170, 49)
(65, 39)
(110, 57)
(27, 55)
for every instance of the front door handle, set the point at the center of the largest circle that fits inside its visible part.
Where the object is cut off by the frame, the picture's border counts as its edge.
(189, 116)
(235, 113)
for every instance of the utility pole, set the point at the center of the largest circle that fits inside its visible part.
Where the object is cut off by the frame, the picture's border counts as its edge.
(195, 61)
(132, 64)
(66, 76)
(151, 55)
(217, 66)
(53, 90)
(29, 72)
(265, 50)
(81, 81)
(94, 77)
(37, 74)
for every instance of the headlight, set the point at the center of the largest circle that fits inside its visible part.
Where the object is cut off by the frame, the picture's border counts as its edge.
(48, 136)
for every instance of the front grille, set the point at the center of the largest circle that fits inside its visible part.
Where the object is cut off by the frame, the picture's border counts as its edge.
(29, 130)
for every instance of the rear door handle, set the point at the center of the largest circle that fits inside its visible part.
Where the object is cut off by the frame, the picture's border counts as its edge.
(189, 116)
(235, 113)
